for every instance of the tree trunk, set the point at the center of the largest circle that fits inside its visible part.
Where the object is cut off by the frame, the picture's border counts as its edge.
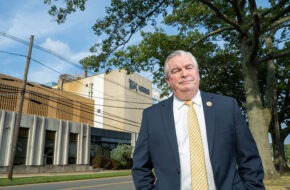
(271, 107)
(285, 166)
(256, 119)
(280, 143)
(278, 150)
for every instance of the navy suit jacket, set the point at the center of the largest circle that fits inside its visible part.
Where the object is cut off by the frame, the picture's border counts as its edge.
(233, 153)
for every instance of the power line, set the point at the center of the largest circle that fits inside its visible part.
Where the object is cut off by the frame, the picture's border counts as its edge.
(70, 105)
(54, 99)
(104, 113)
(134, 108)
(35, 101)
(79, 81)
(80, 109)
(13, 53)
(84, 117)
(14, 38)
(65, 98)
(40, 48)
(48, 51)
(80, 94)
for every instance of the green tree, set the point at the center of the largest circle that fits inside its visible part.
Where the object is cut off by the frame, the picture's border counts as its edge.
(243, 28)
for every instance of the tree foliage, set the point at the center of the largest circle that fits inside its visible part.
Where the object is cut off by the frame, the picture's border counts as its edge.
(60, 13)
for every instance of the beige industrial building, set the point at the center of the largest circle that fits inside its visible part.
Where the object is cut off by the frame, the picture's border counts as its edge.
(69, 125)
(119, 98)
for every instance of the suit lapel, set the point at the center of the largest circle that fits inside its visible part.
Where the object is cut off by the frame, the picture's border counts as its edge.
(168, 120)
(209, 116)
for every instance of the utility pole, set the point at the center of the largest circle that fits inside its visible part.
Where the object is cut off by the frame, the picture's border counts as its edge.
(19, 114)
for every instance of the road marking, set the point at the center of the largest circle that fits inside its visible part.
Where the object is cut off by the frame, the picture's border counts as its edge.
(100, 185)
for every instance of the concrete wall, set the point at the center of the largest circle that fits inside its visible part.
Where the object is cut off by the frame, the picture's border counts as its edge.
(36, 139)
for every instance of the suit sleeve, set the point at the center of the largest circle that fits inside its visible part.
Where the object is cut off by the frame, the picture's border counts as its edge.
(250, 167)
(142, 164)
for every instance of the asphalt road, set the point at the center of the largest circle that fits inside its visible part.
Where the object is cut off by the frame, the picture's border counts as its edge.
(114, 183)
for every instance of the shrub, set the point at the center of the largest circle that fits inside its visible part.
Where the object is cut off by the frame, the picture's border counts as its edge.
(115, 164)
(122, 154)
(97, 162)
(107, 162)
(101, 162)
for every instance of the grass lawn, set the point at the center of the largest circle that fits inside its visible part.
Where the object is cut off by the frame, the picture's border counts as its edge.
(58, 178)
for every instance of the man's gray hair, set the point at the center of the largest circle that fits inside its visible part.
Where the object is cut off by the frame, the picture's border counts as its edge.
(178, 53)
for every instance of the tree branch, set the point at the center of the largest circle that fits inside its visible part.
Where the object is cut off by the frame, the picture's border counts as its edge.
(282, 13)
(274, 56)
(126, 38)
(278, 6)
(277, 23)
(211, 34)
(256, 29)
(237, 10)
(140, 23)
(222, 16)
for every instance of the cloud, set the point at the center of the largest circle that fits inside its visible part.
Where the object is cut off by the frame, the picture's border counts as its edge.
(70, 40)
(61, 60)
(64, 50)
(57, 46)
(45, 66)
(23, 24)
(28, 19)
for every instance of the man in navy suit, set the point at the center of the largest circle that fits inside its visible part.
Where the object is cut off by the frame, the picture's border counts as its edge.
(161, 158)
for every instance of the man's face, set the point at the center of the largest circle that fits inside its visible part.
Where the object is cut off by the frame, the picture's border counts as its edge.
(183, 77)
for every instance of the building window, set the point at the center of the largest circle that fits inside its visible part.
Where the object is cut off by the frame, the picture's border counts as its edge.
(49, 147)
(21, 147)
(73, 140)
(112, 146)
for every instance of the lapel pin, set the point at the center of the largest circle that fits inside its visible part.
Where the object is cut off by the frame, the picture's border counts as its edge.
(209, 103)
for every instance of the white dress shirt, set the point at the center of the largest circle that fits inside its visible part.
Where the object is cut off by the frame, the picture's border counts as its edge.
(180, 119)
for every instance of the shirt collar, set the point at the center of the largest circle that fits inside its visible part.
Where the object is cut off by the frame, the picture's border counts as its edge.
(197, 99)
(177, 103)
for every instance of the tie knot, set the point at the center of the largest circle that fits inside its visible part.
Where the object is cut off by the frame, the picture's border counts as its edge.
(188, 102)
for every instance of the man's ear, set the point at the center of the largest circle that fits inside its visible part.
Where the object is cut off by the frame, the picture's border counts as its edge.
(167, 80)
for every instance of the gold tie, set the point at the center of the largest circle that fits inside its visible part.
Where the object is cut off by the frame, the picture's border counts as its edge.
(197, 161)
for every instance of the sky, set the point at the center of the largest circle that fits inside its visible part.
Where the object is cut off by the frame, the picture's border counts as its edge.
(71, 40)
